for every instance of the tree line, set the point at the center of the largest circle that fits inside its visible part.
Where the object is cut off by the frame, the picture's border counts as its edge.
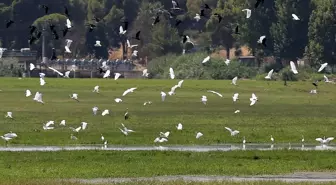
(312, 37)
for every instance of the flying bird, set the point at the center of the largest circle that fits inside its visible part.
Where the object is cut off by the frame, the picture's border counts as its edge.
(220, 95)
(269, 75)
(234, 80)
(293, 67)
(324, 65)
(262, 40)
(129, 91)
(295, 17)
(171, 73)
(232, 132)
(248, 13)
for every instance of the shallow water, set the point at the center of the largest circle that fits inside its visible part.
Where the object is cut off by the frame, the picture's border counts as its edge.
(191, 148)
(296, 177)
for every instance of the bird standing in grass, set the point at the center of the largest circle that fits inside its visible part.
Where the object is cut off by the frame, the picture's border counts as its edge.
(126, 115)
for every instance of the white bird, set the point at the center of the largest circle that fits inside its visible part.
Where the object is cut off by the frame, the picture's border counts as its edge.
(253, 99)
(269, 75)
(171, 73)
(293, 67)
(129, 91)
(129, 44)
(28, 93)
(235, 97)
(135, 53)
(172, 90)
(295, 17)
(47, 125)
(31, 66)
(160, 140)
(11, 135)
(42, 82)
(326, 79)
(74, 96)
(72, 137)
(163, 96)
(272, 139)
(123, 131)
(107, 74)
(62, 122)
(38, 97)
(95, 110)
(237, 111)
(42, 75)
(9, 115)
(322, 67)
(116, 76)
(105, 112)
(227, 62)
(204, 99)
(244, 141)
(68, 24)
(145, 73)
(179, 84)
(97, 44)
(302, 140)
(232, 132)
(76, 129)
(126, 129)
(118, 100)
(206, 59)
(198, 135)
(102, 137)
(248, 13)
(179, 126)
(66, 74)
(121, 30)
(147, 102)
(68, 44)
(313, 91)
(96, 89)
(324, 140)
(165, 134)
(234, 80)
(220, 95)
(61, 74)
(261, 38)
(197, 17)
(84, 124)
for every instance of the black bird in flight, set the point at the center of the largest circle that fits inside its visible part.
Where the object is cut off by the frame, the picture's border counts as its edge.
(177, 22)
(258, 3)
(53, 55)
(137, 35)
(46, 9)
(9, 23)
(237, 30)
(156, 20)
(219, 17)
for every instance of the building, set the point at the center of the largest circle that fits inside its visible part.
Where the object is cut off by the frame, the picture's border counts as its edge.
(17, 58)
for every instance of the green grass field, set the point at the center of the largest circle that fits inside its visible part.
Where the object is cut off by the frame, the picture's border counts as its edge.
(284, 112)
(108, 164)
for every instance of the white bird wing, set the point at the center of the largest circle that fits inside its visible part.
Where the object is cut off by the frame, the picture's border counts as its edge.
(67, 50)
(179, 84)
(121, 30)
(117, 75)
(295, 17)
(68, 23)
(253, 101)
(216, 93)
(107, 74)
(269, 75)
(322, 67)
(254, 96)
(206, 59)
(229, 129)
(171, 73)
(329, 139)
(42, 81)
(56, 71)
(234, 80)
(248, 13)
(28, 93)
(293, 67)
(144, 72)
(31, 66)
(128, 43)
(84, 124)
(319, 139)
(326, 78)
(67, 74)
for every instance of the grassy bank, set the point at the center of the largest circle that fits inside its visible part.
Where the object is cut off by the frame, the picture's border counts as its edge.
(284, 112)
(105, 164)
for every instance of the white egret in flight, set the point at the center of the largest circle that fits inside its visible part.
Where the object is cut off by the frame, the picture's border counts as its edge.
(293, 67)
(248, 13)
(269, 75)
(232, 132)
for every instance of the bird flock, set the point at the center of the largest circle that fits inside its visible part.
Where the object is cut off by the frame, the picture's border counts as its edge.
(35, 34)
(163, 136)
